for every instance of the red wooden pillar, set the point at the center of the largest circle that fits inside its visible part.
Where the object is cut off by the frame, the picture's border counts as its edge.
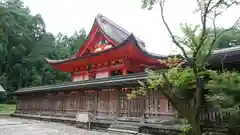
(109, 71)
(124, 70)
(73, 75)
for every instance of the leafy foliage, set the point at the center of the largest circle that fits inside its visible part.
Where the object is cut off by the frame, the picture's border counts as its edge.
(225, 96)
(181, 79)
(228, 39)
(225, 89)
(24, 45)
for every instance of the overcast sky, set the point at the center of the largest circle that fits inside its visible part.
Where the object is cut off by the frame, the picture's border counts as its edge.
(67, 16)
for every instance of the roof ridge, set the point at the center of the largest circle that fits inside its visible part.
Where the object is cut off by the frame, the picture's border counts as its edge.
(118, 27)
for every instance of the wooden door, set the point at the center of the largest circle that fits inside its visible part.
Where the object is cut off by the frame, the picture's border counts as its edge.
(89, 101)
(106, 103)
(131, 108)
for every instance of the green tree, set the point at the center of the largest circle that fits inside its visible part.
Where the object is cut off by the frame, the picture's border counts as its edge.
(24, 45)
(228, 38)
(224, 94)
(184, 87)
(19, 33)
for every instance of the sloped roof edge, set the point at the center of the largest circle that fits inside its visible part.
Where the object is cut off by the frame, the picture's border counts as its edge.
(94, 54)
(116, 80)
(101, 18)
(120, 32)
(131, 38)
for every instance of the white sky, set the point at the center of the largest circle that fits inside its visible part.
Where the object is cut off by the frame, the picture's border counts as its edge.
(67, 16)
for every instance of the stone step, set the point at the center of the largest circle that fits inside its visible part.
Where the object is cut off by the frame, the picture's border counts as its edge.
(122, 131)
(118, 125)
(125, 128)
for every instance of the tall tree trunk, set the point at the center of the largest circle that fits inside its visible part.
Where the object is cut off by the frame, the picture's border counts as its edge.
(196, 128)
(195, 123)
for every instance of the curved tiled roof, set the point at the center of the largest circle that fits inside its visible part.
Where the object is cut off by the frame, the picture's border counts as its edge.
(118, 35)
(130, 38)
(114, 31)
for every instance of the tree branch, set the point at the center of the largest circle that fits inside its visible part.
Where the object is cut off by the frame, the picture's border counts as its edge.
(161, 4)
(216, 38)
(214, 25)
(193, 65)
(222, 64)
(180, 105)
(204, 14)
(206, 11)
(215, 5)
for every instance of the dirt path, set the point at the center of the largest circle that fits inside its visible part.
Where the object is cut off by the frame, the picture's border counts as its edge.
(17, 126)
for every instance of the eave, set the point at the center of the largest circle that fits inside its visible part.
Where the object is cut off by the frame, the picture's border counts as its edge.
(129, 48)
(226, 56)
(113, 82)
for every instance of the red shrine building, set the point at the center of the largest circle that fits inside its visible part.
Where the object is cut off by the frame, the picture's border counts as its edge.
(109, 51)
(109, 65)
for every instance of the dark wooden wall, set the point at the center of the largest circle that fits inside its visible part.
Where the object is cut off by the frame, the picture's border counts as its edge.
(110, 103)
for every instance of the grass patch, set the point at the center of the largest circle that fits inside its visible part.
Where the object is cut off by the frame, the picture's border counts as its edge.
(7, 108)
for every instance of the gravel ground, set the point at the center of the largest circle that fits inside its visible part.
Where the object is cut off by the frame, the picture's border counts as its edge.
(17, 126)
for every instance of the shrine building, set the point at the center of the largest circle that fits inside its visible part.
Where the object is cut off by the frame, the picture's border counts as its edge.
(109, 65)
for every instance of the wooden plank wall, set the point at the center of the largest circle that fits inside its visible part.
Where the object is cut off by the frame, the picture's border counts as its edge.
(133, 107)
(108, 103)
(102, 103)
